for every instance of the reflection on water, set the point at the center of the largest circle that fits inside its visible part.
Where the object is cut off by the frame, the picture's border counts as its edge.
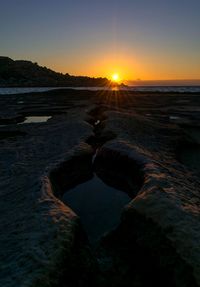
(36, 119)
(115, 89)
(174, 118)
(98, 205)
(97, 123)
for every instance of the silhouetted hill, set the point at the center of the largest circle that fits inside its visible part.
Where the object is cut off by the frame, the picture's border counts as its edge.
(29, 74)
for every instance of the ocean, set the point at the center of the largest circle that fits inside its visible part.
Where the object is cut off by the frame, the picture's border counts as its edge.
(160, 89)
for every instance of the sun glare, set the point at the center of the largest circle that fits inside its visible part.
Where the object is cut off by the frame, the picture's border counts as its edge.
(115, 77)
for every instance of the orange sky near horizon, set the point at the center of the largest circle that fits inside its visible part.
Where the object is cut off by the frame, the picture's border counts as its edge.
(129, 67)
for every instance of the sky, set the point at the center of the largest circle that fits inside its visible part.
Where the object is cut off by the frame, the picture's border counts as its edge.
(138, 39)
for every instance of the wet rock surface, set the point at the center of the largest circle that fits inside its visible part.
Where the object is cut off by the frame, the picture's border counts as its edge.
(147, 135)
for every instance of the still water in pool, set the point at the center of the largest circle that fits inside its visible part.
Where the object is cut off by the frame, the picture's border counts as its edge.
(98, 205)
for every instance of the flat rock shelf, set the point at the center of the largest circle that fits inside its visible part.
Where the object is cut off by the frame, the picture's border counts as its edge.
(110, 145)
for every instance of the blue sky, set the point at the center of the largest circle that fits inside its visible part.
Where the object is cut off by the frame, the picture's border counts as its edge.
(142, 39)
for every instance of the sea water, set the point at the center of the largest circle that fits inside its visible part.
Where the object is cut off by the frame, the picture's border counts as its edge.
(160, 89)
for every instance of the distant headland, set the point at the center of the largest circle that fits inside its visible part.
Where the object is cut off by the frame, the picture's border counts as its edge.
(22, 73)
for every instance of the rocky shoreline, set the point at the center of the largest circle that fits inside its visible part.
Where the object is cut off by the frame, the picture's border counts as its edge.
(43, 243)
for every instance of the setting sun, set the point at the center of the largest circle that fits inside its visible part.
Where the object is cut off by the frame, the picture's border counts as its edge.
(115, 77)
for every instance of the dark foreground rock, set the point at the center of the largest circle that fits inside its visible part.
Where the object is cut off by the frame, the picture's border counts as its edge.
(42, 241)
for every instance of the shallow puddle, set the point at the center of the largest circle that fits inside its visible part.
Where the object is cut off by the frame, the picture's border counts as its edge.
(98, 205)
(174, 118)
(36, 119)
